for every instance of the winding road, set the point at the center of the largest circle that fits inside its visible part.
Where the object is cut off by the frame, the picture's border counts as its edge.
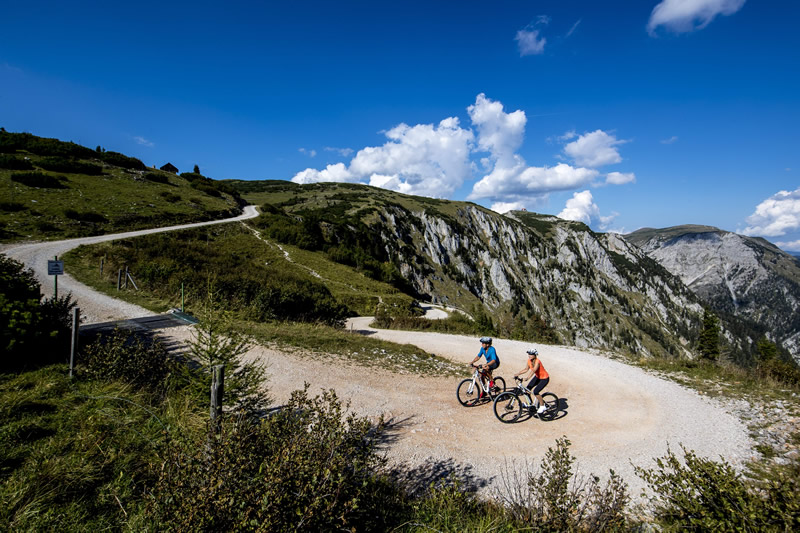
(615, 415)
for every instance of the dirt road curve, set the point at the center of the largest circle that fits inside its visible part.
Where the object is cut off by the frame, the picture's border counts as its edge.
(94, 307)
(615, 415)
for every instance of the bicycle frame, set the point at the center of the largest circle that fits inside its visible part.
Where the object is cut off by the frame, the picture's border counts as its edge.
(479, 376)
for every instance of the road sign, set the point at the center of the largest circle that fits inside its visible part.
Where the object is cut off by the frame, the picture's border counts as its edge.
(55, 268)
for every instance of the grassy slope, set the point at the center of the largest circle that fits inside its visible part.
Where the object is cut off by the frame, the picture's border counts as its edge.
(123, 199)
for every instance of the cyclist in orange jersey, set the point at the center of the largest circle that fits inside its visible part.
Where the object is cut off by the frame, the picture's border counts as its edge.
(540, 379)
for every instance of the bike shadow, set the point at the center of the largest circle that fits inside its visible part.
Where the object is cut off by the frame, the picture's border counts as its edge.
(561, 411)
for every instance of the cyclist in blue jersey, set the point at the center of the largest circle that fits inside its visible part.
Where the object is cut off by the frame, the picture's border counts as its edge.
(492, 361)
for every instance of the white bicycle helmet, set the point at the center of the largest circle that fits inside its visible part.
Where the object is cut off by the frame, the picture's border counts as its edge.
(533, 351)
(486, 340)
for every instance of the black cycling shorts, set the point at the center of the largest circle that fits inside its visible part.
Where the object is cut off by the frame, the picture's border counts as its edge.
(538, 383)
(494, 364)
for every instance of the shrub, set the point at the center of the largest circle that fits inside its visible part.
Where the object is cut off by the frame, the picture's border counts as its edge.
(12, 207)
(85, 216)
(170, 197)
(70, 166)
(120, 160)
(33, 332)
(127, 356)
(699, 494)
(157, 178)
(556, 499)
(37, 179)
(307, 467)
(15, 163)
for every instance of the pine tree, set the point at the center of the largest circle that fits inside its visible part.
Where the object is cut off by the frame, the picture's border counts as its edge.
(709, 338)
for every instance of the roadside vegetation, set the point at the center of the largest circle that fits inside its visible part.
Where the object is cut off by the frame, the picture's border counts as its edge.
(55, 190)
(126, 445)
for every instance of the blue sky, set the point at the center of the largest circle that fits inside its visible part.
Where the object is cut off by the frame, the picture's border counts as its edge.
(621, 114)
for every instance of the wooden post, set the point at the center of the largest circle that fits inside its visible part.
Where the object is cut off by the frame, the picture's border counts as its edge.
(76, 319)
(182, 310)
(217, 391)
(102, 262)
(119, 278)
(125, 277)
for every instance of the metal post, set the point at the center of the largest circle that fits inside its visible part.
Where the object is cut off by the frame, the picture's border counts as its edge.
(119, 278)
(55, 284)
(76, 319)
(217, 390)
(102, 262)
(182, 310)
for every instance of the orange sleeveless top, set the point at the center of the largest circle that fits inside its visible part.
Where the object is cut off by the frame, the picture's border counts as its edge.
(541, 373)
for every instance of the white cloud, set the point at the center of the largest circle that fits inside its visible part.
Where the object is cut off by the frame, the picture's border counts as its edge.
(505, 207)
(670, 140)
(792, 246)
(581, 208)
(515, 183)
(528, 39)
(143, 141)
(775, 216)
(424, 159)
(309, 153)
(682, 16)
(499, 133)
(344, 152)
(620, 178)
(594, 149)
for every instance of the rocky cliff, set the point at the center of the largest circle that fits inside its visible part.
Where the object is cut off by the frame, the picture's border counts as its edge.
(734, 274)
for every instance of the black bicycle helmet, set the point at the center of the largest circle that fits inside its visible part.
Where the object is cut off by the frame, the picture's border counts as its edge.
(487, 340)
(533, 351)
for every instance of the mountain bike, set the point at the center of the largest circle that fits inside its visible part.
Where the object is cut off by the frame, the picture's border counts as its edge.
(509, 405)
(473, 390)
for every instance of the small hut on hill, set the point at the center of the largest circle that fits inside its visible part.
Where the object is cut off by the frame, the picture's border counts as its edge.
(169, 167)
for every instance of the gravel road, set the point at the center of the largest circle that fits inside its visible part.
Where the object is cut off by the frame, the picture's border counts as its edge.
(615, 415)
(95, 307)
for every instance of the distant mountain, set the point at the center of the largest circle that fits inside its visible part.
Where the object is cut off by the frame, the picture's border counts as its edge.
(742, 276)
(533, 274)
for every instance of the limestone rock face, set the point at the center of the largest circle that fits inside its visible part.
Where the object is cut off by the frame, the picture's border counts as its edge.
(596, 290)
(743, 276)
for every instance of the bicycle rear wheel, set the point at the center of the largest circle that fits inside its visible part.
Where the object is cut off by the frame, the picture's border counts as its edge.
(468, 393)
(499, 387)
(507, 407)
(551, 406)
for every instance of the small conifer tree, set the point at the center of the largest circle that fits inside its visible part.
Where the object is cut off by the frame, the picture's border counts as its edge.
(708, 344)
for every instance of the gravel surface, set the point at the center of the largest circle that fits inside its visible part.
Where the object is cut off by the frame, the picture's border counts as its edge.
(615, 415)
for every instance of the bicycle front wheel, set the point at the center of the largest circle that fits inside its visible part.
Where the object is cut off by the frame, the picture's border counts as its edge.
(507, 407)
(550, 405)
(468, 393)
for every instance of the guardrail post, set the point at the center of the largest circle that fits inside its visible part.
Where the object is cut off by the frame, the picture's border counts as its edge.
(76, 319)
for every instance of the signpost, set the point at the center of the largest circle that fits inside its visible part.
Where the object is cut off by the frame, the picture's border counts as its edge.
(55, 268)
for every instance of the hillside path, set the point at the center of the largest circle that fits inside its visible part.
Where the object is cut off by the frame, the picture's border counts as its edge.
(94, 306)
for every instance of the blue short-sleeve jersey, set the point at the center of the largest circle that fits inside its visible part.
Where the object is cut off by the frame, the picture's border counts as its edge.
(490, 354)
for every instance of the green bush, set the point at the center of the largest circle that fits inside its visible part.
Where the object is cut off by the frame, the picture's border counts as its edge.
(32, 332)
(557, 499)
(129, 357)
(120, 160)
(70, 166)
(11, 162)
(156, 177)
(307, 467)
(85, 216)
(37, 179)
(699, 494)
(12, 207)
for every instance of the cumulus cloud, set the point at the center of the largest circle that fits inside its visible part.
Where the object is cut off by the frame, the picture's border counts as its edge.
(424, 159)
(511, 180)
(505, 207)
(143, 141)
(682, 16)
(594, 149)
(620, 178)
(581, 208)
(775, 216)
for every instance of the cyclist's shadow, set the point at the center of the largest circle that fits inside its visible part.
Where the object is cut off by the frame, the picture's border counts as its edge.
(561, 411)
